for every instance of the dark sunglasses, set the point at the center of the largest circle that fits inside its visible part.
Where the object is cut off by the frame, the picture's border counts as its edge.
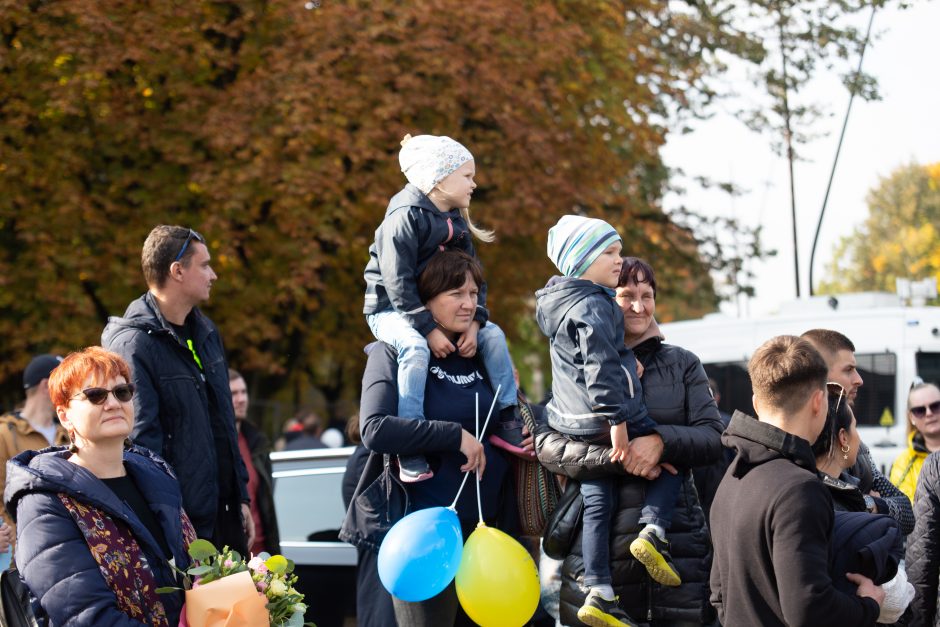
(193, 235)
(921, 410)
(834, 389)
(97, 396)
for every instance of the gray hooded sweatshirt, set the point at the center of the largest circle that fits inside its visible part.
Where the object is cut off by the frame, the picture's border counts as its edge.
(594, 380)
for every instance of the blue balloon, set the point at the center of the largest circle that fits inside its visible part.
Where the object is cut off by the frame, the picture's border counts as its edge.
(420, 554)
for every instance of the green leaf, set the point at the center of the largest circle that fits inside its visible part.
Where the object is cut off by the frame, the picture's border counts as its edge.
(196, 571)
(167, 590)
(201, 550)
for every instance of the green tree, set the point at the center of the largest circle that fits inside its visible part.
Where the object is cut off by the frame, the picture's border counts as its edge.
(899, 239)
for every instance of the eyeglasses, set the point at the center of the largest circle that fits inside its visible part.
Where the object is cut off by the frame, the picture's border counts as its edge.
(97, 396)
(921, 410)
(193, 235)
(836, 388)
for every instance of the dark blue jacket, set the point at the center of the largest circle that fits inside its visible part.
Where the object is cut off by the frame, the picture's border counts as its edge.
(594, 381)
(51, 552)
(178, 406)
(413, 230)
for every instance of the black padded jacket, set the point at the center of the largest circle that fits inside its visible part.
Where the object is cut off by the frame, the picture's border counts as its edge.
(675, 390)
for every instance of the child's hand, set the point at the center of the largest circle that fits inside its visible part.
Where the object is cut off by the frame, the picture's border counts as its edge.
(467, 343)
(440, 346)
(620, 442)
(639, 368)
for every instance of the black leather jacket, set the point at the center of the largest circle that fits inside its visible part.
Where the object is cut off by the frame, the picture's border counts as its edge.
(676, 393)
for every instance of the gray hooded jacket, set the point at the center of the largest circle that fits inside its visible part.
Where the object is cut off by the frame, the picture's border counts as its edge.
(594, 380)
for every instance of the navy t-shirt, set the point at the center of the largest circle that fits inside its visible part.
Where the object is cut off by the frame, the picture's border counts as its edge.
(450, 395)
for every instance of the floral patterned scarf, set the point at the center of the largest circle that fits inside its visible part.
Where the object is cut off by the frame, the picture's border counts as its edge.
(121, 561)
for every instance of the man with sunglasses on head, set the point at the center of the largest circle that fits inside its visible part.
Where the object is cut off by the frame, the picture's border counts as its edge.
(772, 518)
(183, 403)
(32, 427)
(881, 496)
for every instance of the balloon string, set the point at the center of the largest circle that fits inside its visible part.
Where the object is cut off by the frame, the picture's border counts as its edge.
(453, 505)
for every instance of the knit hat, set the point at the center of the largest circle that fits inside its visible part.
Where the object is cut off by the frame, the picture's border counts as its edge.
(575, 242)
(427, 159)
(38, 369)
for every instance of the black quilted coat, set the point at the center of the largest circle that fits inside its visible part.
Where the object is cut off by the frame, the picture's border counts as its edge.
(676, 393)
(922, 557)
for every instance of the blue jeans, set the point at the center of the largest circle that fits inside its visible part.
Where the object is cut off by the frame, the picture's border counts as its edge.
(391, 327)
(599, 496)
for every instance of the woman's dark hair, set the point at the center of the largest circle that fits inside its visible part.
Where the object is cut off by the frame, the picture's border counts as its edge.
(447, 270)
(632, 269)
(838, 417)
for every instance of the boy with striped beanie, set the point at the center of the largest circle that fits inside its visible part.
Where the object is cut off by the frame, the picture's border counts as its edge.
(596, 397)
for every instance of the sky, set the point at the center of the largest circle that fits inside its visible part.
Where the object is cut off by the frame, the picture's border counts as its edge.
(899, 129)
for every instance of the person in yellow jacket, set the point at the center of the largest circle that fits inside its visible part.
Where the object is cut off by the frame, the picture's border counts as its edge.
(923, 413)
(31, 428)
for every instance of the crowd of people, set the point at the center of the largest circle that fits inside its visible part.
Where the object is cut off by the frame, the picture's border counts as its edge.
(124, 453)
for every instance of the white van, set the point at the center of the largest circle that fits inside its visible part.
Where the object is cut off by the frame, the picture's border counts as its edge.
(894, 344)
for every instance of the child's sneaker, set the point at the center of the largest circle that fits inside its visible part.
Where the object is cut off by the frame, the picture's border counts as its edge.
(413, 468)
(507, 434)
(600, 612)
(653, 552)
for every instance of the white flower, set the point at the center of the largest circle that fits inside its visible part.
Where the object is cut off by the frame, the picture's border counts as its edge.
(278, 588)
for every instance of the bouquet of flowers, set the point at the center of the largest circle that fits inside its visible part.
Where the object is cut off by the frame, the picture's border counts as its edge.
(224, 589)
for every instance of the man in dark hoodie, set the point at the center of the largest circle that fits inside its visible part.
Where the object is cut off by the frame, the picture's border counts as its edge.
(183, 403)
(772, 517)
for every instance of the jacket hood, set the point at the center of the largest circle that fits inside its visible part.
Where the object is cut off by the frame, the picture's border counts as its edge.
(49, 470)
(142, 314)
(410, 196)
(915, 440)
(757, 443)
(560, 294)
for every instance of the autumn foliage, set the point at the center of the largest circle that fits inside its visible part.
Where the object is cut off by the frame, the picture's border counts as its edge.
(274, 130)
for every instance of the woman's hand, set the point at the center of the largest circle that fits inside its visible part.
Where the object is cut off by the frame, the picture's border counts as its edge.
(467, 343)
(620, 442)
(645, 453)
(440, 346)
(473, 451)
(867, 588)
(528, 442)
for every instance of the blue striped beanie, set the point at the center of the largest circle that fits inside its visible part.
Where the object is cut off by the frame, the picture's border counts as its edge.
(575, 242)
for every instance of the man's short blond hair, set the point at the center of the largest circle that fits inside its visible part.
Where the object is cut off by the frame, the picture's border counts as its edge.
(785, 372)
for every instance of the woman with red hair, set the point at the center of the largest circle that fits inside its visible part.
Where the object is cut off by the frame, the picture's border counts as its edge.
(98, 522)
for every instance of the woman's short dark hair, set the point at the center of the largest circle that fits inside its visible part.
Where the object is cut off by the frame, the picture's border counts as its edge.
(838, 418)
(632, 269)
(447, 270)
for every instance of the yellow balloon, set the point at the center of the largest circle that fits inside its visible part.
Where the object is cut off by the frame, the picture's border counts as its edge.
(497, 582)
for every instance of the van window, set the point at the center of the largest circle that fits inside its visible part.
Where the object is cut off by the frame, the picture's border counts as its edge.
(878, 370)
(928, 367)
(876, 396)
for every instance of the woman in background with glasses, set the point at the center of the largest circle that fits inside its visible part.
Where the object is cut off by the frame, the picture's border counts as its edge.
(923, 433)
(100, 521)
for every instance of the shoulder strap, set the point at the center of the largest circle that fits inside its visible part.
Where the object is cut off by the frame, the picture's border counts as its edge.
(122, 564)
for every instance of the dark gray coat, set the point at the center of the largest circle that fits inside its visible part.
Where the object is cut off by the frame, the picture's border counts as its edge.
(179, 407)
(413, 230)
